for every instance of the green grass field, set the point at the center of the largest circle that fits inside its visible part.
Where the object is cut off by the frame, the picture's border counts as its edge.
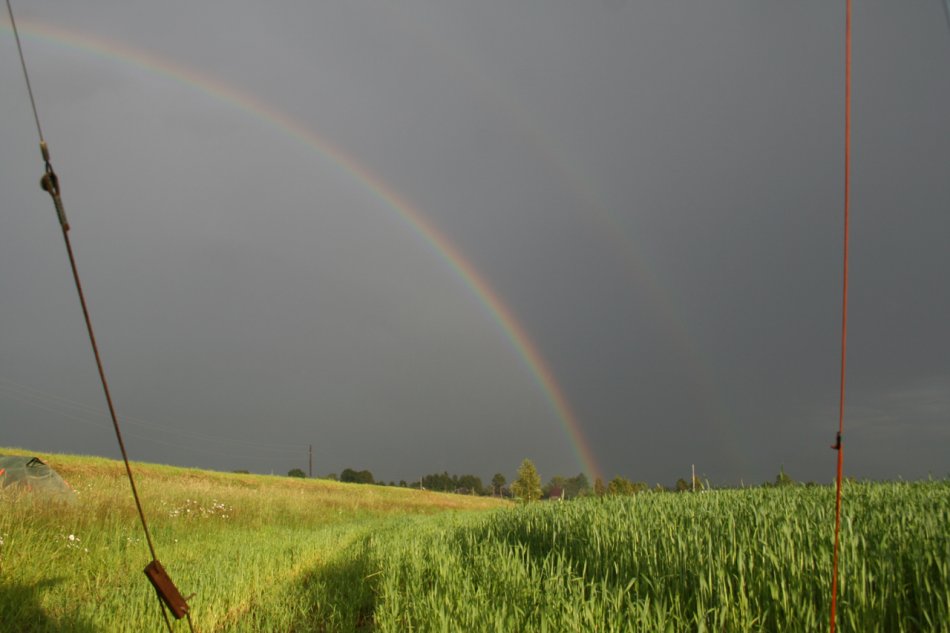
(732, 560)
(261, 553)
(279, 554)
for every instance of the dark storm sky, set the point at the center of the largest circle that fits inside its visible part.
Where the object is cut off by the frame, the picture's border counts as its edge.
(653, 189)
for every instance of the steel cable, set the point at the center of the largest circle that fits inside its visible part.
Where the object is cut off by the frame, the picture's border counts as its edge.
(50, 183)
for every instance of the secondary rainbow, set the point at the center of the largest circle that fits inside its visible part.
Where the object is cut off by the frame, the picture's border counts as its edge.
(513, 331)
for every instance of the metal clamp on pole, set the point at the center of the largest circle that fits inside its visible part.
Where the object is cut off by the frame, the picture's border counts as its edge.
(837, 445)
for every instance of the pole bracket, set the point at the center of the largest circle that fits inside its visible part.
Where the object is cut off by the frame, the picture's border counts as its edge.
(837, 445)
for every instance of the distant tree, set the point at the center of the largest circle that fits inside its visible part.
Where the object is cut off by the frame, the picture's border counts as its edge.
(443, 482)
(402, 483)
(471, 483)
(576, 486)
(682, 485)
(356, 476)
(599, 488)
(241, 472)
(782, 479)
(527, 486)
(497, 483)
(296, 472)
(567, 487)
(330, 476)
(621, 486)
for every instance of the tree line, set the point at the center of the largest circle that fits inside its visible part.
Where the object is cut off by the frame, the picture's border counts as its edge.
(527, 485)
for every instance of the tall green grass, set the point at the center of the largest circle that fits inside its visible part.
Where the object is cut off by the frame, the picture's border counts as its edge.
(751, 560)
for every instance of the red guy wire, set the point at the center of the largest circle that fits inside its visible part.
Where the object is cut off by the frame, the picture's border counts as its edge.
(844, 310)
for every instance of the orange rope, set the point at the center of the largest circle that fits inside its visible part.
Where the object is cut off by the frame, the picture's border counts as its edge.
(844, 309)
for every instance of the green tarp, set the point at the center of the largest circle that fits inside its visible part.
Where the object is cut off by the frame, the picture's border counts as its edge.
(24, 474)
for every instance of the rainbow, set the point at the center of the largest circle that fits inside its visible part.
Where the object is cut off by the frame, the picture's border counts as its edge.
(504, 318)
(620, 240)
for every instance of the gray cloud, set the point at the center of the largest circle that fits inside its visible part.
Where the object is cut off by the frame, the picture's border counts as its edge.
(654, 191)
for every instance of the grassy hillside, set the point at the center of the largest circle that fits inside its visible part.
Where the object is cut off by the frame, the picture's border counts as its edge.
(281, 554)
(260, 552)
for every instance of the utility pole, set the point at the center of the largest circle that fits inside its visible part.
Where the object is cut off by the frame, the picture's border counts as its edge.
(694, 477)
(311, 461)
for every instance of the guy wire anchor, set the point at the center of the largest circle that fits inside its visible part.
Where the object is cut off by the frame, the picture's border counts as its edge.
(166, 589)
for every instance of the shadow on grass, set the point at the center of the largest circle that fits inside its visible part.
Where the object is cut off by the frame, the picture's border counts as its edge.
(21, 611)
(339, 595)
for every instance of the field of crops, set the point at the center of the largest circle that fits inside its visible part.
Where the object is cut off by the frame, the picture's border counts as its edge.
(276, 554)
(740, 560)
